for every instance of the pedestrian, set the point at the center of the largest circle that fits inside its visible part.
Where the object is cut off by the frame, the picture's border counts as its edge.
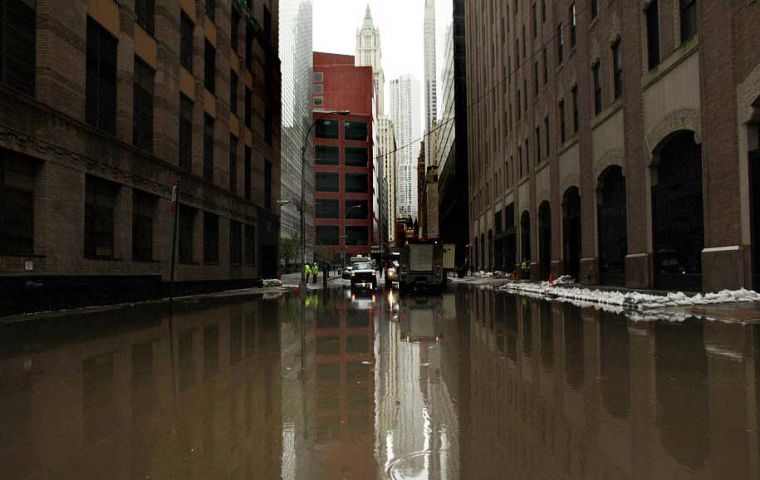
(315, 272)
(307, 271)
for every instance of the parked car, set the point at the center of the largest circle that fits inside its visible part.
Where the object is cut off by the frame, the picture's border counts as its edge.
(346, 273)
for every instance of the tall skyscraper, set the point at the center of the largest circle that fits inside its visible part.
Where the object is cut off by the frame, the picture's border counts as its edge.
(296, 58)
(369, 54)
(405, 114)
(431, 94)
(386, 137)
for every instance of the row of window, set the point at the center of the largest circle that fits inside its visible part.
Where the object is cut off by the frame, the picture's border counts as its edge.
(353, 209)
(330, 156)
(330, 235)
(330, 182)
(352, 130)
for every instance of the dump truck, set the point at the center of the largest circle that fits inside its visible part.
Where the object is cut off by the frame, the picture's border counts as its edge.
(421, 265)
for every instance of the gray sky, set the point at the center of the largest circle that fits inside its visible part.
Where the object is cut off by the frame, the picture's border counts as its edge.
(401, 31)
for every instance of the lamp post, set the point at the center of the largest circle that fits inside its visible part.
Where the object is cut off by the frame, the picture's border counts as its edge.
(303, 187)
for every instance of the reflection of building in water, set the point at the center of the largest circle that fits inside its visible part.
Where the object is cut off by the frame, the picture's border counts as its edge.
(344, 388)
(558, 392)
(417, 427)
(96, 400)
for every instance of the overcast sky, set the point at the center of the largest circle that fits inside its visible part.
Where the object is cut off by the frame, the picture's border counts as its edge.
(401, 25)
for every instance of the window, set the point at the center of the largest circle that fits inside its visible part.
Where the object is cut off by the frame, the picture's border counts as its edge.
(319, 101)
(617, 70)
(319, 77)
(327, 182)
(328, 208)
(248, 46)
(236, 233)
(543, 10)
(519, 105)
(16, 204)
(210, 238)
(267, 184)
(100, 105)
(250, 245)
(233, 163)
(268, 119)
(327, 155)
(594, 8)
(210, 8)
(574, 95)
(560, 44)
(653, 34)
(186, 233)
(143, 208)
(327, 235)
(247, 107)
(247, 173)
(597, 81)
(185, 133)
(234, 92)
(546, 67)
(357, 183)
(319, 89)
(17, 45)
(357, 156)
(562, 126)
(145, 15)
(327, 129)
(538, 145)
(209, 75)
(356, 130)
(688, 20)
(234, 28)
(186, 42)
(357, 236)
(536, 78)
(548, 138)
(534, 17)
(573, 25)
(208, 148)
(142, 119)
(356, 209)
(99, 203)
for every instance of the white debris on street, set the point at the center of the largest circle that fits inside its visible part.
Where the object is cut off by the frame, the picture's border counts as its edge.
(272, 282)
(628, 300)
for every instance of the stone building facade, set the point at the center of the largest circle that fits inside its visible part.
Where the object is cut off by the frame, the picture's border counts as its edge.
(615, 141)
(106, 106)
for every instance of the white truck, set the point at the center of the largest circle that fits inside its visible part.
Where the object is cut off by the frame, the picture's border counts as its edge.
(421, 265)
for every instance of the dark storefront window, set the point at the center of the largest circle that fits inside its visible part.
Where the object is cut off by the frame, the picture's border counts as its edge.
(236, 233)
(357, 157)
(100, 85)
(325, 155)
(357, 182)
(186, 233)
(356, 130)
(327, 182)
(210, 238)
(145, 15)
(143, 208)
(327, 129)
(142, 125)
(186, 42)
(327, 208)
(185, 133)
(357, 236)
(327, 235)
(16, 204)
(250, 245)
(357, 209)
(99, 203)
(17, 45)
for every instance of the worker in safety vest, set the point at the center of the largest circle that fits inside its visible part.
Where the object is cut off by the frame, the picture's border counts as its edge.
(307, 271)
(315, 271)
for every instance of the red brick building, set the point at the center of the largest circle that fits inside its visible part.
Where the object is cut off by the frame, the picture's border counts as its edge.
(345, 170)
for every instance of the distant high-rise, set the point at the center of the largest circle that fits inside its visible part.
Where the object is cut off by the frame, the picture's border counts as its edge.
(431, 95)
(386, 138)
(369, 54)
(405, 114)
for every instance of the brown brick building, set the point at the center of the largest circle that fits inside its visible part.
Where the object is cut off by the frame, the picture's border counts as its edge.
(103, 104)
(616, 140)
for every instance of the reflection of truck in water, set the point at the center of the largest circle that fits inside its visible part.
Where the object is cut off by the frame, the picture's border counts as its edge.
(421, 265)
(418, 319)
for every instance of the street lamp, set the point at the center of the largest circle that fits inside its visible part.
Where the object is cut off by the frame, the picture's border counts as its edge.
(303, 186)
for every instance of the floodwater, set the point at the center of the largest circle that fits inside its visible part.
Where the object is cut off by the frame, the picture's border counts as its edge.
(471, 384)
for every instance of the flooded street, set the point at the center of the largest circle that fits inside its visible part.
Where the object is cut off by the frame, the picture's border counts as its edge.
(470, 384)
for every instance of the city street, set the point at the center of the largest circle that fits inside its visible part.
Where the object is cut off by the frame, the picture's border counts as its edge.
(472, 383)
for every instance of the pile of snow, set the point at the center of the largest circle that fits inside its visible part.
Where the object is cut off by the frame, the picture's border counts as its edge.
(629, 300)
(272, 282)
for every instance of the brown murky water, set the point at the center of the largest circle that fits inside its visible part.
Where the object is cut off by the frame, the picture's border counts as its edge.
(470, 384)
